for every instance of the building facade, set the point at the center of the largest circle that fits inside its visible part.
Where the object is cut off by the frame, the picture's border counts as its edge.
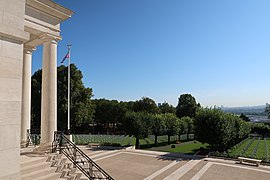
(24, 25)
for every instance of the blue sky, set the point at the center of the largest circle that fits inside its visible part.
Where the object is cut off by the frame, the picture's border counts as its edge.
(219, 51)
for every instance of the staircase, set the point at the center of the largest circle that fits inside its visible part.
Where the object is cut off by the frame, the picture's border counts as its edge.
(48, 167)
(79, 159)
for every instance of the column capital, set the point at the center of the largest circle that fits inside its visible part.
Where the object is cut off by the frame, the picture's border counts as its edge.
(50, 38)
(28, 49)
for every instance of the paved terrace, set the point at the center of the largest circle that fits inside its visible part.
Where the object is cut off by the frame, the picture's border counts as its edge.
(146, 165)
(141, 164)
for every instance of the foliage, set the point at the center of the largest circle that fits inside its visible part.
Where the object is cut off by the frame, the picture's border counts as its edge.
(182, 128)
(108, 112)
(260, 128)
(219, 129)
(187, 106)
(137, 124)
(244, 117)
(81, 107)
(145, 105)
(158, 125)
(189, 122)
(36, 100)
(171, 125)
(166, 108)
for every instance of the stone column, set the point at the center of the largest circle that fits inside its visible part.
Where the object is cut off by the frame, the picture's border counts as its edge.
(49, 90)
(26, 93)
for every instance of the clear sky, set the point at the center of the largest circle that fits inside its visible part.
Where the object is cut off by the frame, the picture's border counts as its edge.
(219, 51)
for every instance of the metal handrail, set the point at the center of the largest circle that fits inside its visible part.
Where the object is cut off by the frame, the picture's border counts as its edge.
(78, 157)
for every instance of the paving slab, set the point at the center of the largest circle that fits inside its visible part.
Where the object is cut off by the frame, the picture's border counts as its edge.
(132, 166)
(225, 172)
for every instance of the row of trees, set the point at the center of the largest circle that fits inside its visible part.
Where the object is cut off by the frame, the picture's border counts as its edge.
(139, 118)
(142, 124)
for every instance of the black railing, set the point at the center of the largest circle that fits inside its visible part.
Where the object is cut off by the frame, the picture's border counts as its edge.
(33, 139)
(90, 169)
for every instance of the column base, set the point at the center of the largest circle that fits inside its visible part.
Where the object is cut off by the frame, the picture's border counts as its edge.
(44, 149)
(24, 143)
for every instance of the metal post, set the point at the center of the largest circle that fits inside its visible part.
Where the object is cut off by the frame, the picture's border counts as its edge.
(69, 88)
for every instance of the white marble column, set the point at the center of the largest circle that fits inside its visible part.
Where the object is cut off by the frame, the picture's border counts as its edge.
(26, 93)
(49, 90)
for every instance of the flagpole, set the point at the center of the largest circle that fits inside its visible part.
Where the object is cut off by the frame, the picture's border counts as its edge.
(68, 126)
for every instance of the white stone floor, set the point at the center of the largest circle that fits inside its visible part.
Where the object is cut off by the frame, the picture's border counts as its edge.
(148, 165)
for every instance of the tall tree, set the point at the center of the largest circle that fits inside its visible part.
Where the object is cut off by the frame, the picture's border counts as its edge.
(189, 125)
(145, 105)
(166, 108)
(182, 128)
(219, 129)
(171, 125)
(36, 101)
(187, 106)
(108, 112)
(138, 124)
(81, 106)
(158, 125)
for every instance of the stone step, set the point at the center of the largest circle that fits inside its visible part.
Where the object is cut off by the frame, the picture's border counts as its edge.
(38, 174)
(52, 176)
(35, 167)
(33, 160)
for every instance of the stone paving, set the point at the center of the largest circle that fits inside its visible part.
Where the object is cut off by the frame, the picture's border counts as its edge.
(146, 165)
(129, 164)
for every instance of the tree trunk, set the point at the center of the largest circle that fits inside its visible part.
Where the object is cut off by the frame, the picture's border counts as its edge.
(137, 145)
(155, 140)
(169, 139)
(187, 136)
(179, 137)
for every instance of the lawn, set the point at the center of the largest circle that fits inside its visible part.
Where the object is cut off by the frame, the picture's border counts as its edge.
(190, 147)
(121, 140)
(257, 148)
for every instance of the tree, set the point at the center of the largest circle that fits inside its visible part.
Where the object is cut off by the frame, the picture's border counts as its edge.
(244, 117)
(219, 129)
(171, 125)
(189, 125)
(182, 128)
(158, 125)
(36, 101)
(137, 124)
(145, 105)
(108, 112)
(166, 108)
(267, 109)
(260, 128)
(81, 106)
(187, 106)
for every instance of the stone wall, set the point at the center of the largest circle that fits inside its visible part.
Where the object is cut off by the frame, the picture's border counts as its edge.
(12, 36)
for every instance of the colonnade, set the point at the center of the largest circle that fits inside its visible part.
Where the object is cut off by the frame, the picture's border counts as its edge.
(48, 90)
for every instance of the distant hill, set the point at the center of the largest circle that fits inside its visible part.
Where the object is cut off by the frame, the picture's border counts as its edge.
(247, 110)
(255, 113)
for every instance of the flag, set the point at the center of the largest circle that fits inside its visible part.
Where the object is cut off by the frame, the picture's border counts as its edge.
(66, 56)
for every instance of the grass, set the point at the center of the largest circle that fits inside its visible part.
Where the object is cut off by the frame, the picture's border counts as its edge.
(84, 139)
(188, 148)
(260, 153)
